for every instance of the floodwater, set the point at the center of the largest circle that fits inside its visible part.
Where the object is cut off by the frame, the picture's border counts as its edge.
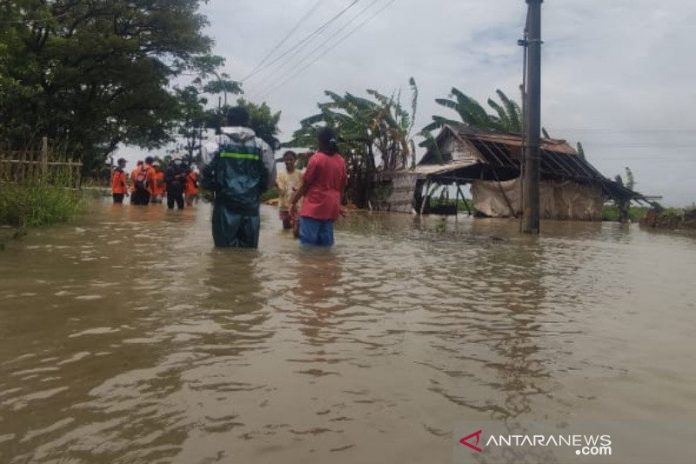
(127, 338)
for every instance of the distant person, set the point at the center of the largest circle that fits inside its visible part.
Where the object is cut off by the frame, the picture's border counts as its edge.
(322, 187)
(119, 182)
(239, 167)
(140, 194)
(150, 170)
(191, 187)
(158, 184)
(288, 183)
(175, 177)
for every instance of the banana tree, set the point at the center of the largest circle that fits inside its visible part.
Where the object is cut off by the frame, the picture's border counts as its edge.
(507, 117)
(374, 134)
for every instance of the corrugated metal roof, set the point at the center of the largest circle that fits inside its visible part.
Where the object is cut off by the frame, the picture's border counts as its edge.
(430, 169)
(505, 151)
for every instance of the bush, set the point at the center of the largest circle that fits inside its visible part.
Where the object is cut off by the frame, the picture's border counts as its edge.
(635, 213)
(38, 204)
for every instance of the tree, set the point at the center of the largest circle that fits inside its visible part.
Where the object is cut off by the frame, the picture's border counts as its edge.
(95, 74)
(507, 117)
(192, 119)
(373, 133)
(262, 120)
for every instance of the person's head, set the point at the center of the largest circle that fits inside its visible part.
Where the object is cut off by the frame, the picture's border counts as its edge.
(149, 160)
(121, 163)
(237, 116)
(289, 158)
(327, 140)
(177, 161)
(139, 164)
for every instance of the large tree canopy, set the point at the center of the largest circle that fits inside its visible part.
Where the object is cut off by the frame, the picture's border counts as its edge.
(93, 74)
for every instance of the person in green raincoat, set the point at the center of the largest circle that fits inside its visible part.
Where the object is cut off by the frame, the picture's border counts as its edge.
(238, 168)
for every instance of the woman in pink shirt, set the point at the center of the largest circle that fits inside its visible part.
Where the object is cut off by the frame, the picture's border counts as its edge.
(322, 188)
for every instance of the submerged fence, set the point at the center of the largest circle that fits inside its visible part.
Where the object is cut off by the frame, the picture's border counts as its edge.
(44, 165)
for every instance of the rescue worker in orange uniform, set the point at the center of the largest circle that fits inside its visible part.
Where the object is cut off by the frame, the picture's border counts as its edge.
(191, 187)
(150, 169)
(119, 182)
(158, 184)
(135, 177)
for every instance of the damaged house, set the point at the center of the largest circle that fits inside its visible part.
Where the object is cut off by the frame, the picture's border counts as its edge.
(490, 162)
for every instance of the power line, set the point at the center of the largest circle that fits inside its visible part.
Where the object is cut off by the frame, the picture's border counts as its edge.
(274, 79)
(284, 39)
(621, 131)
(272, 76)
(307, 38)
(330, 48)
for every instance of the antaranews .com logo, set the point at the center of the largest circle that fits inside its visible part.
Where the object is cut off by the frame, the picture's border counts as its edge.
(582, 445)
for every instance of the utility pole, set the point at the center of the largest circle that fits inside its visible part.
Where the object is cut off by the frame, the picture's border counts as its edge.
(530, 192)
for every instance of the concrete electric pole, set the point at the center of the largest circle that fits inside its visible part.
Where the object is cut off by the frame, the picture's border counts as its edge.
(530, 192)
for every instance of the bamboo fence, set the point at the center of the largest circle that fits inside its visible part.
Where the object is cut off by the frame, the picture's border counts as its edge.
(27, 166)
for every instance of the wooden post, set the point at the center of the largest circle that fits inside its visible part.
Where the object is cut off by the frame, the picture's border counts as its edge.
(466, 203)
(425, 196)
(22, 168)
(44, 158)
(69, 164)
(456, 201)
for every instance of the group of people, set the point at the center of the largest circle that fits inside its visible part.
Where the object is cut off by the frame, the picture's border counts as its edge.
(238, 167)
(149, 183)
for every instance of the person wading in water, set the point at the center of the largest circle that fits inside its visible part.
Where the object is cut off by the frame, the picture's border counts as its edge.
(239, 168)
(322, 187)
(119, 183)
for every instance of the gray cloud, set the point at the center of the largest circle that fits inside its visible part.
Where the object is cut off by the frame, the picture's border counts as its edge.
(619, 75)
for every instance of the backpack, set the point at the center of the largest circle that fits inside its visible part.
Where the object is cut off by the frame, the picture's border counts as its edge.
(141, 180)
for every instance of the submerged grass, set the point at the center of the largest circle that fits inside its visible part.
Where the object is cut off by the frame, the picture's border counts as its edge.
(37, 204)
(635, 213)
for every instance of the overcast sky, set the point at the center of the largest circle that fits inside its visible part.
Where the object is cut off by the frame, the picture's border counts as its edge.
(617, 75)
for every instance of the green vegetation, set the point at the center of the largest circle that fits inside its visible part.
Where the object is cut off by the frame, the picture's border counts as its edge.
(374, 133)
(37, 204)
(613, 213)
(508, 117)
(672, 218)
(92, 75)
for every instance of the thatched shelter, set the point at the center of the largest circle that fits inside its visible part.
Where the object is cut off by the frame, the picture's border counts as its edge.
(491, 163)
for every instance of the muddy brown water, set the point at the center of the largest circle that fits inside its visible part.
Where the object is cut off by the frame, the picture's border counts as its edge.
(126, 338)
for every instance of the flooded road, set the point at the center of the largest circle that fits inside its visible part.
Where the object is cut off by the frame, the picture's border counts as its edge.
(126, 338)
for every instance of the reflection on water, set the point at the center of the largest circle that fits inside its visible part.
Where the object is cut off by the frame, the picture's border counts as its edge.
(127, 338)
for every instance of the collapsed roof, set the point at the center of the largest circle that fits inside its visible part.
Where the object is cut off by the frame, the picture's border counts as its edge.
(494, 156)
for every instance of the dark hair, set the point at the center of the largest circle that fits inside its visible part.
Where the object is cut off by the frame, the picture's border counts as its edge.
(327, 140)
(149, 160)
(238, 116)
(290, 153)
(121, 161)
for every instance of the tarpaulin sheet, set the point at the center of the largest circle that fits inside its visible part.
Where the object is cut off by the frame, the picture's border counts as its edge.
(558, 200)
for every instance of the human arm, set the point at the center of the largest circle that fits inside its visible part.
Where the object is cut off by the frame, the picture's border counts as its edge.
(307, 180)
(207, 179)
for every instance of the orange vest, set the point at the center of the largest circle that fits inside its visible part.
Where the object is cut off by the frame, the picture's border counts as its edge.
(134, 174)
(151, 178)
(118, 182)
(159, 186)
(191, 188)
